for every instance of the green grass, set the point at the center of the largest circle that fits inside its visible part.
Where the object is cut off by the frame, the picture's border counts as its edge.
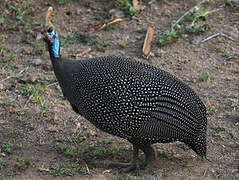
(9, 58)
(188, 23)
(22, 164)
(170, 34)
(68, 151)
(234, 142)
(205, 77)
(73, 39)
(22, 10)
(210, 108)
(37, 95)
(115, 149)
(181, 145)
(26, 121)
(222, 136)
(129, 177)
(197, 28)
(2, 164)
(235, 103)
(109, 140)
(78, 39)
(227, 94)
(9, 101)
(39, 47)
(220, 128)
(125, 6)
(8, 147)
(66, 169)
(227, 56)
(99, 153)
(122, 44)
(77, 139)
(2, 19)
(62, 2)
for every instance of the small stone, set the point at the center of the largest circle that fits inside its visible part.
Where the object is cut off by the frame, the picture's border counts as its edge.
(159, 53)
(116, 13)
(36, 62)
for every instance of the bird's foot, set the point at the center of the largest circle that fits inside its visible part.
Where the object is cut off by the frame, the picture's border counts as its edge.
(124, 167)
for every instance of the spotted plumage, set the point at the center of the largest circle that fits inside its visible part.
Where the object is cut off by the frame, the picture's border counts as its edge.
(132, 100)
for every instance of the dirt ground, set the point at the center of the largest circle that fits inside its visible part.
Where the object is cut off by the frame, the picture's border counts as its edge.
(42, 138)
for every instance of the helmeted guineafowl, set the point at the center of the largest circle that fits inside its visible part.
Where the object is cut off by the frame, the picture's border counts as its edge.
(131, 100)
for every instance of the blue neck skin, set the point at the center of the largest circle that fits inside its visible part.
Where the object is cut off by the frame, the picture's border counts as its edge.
(55, 44)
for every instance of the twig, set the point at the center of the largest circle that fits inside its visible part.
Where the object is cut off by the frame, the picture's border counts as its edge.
(206, 13)
(209, 12)
(52, 84)
(187, 13)
(13, 76)
(218, 34)
(86, 166)
(110, 23)
(210, 37)
(147, 41)
(227, 36)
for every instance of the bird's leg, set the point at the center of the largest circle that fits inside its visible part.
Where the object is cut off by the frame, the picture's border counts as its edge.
(149, 155)
(127, 167)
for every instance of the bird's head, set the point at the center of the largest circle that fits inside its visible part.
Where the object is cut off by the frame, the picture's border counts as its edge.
(49, 34)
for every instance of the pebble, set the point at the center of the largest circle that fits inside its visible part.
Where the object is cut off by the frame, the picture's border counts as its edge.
(159, 53)
(36, 62)
(116, 13)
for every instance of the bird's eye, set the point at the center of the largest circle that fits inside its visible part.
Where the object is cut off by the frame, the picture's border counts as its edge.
(50, 29)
